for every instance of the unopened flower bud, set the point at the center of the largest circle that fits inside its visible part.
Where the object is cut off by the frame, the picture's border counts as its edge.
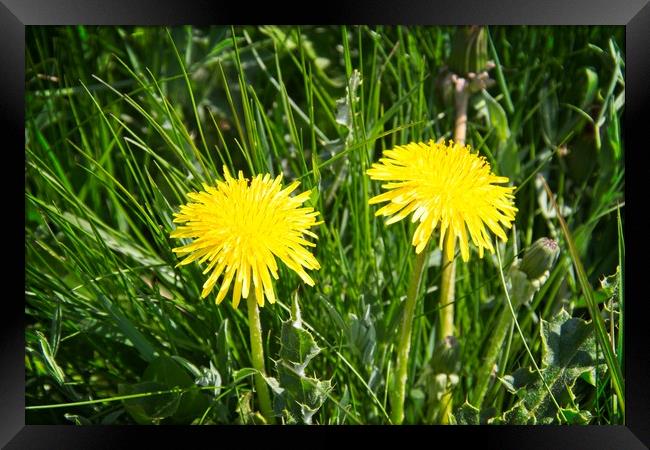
(539, 258)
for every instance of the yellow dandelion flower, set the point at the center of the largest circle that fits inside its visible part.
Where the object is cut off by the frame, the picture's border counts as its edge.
(444, 184)
(240, 228)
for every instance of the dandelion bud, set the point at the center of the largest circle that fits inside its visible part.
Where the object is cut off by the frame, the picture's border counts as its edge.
(528, 275)
(539, 258)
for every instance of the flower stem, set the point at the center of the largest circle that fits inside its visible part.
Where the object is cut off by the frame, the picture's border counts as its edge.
(398, 392)
(446, 314)
(257, 356)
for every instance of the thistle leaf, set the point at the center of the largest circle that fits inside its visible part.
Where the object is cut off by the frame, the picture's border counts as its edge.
(297, 396)
(568, 351)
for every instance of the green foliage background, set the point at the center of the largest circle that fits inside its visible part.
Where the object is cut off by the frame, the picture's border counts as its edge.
(122, 122)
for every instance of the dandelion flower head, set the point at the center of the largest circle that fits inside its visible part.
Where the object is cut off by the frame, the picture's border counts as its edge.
(448, 185)
(239, 228)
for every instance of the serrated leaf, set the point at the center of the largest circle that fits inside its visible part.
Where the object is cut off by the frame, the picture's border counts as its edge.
(520, 378)
(518, 415)
(315, 393)
(298, 347)
(210, 377)
(575, 417)
(274, 385)
(467, 414)
(298, 397)
(568, 351)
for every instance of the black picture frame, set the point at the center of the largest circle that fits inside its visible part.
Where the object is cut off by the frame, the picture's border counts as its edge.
(634, 14)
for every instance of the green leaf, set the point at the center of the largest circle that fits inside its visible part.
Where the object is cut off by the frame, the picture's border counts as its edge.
(210, 377)
(362, 335)
(55, 327)
(518, 414)
(193, 405)
(590, 88)
(274, 385)
(146, 349)
(187, 365)
(298, 397)
(121, 244)
(242, 373)
(223, 350)
(245, 410)
(568, 351)
(297, 347)
(576, 417)
(166, 371)
(467, 415)
(152, 408)
(164, 374)
(496, 116)
(110, 419)
(548, 109)
(52, 367)
(77, 419)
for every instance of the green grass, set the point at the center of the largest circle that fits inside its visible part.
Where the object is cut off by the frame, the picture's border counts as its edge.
(122, 122)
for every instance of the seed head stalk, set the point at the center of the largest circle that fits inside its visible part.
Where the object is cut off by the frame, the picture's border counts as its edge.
(447, 281)
(257, 356)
